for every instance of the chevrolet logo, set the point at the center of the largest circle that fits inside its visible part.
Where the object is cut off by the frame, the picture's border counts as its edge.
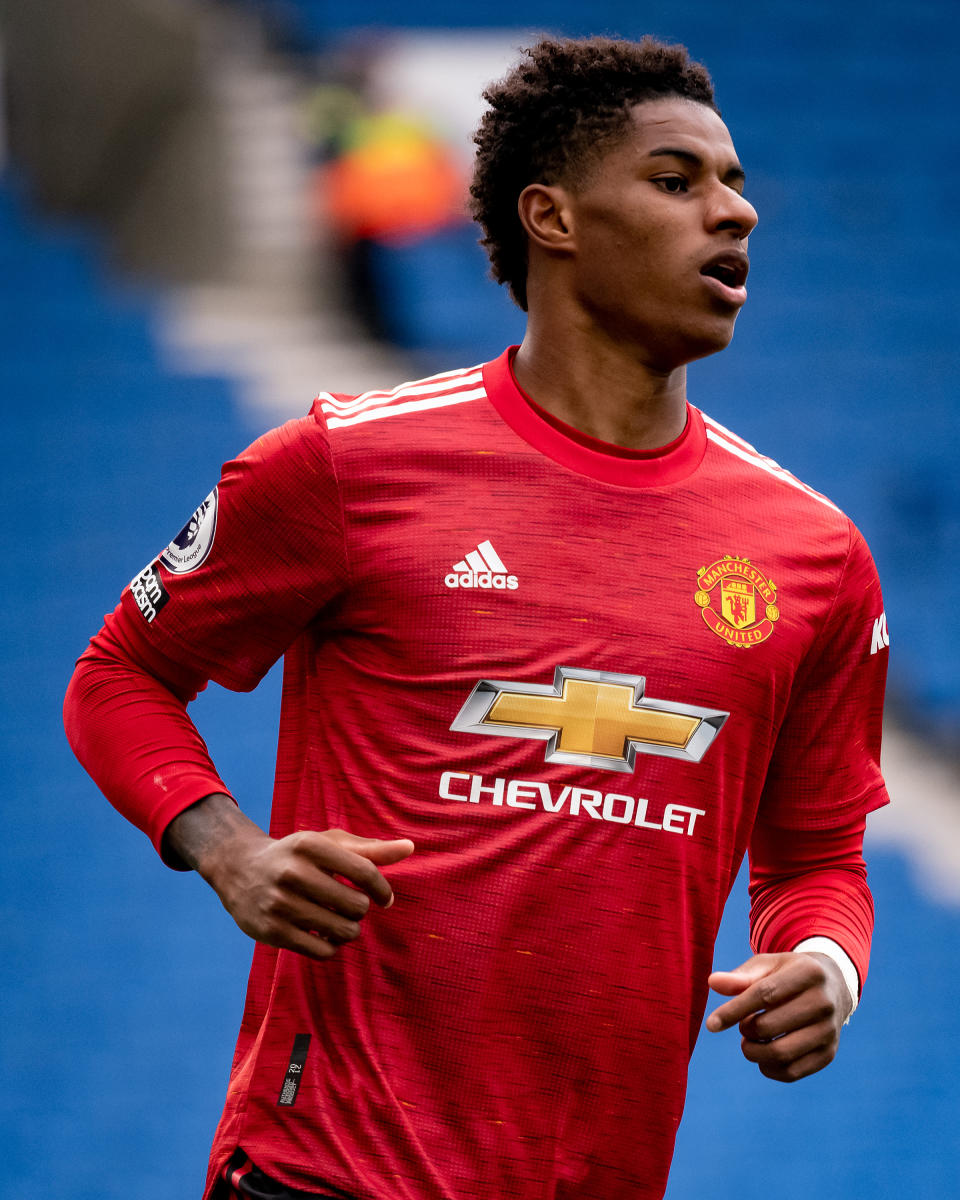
(590, 719)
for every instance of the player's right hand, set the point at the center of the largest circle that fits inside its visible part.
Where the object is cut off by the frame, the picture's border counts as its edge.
(290, 892)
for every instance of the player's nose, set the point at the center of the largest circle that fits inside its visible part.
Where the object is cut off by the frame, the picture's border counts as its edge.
(729, 210)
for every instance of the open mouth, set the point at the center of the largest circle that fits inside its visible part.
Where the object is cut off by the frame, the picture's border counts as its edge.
(732, 276)
(729, 270)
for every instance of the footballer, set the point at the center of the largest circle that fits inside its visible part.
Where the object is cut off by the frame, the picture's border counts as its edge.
(559, 649)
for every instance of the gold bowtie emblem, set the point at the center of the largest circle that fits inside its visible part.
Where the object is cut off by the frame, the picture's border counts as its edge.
(590, 718)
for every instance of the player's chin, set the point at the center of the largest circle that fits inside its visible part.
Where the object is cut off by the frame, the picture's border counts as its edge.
(710, 336)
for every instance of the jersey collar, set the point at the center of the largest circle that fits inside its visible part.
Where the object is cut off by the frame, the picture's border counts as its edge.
(584, 454)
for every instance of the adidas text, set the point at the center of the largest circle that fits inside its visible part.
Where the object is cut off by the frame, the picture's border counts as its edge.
(481, 579)
(482, 568)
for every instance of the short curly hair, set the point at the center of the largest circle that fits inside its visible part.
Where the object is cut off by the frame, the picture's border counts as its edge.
(548, 118)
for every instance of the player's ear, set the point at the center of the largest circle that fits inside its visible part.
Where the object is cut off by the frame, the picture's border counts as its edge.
(546, 216)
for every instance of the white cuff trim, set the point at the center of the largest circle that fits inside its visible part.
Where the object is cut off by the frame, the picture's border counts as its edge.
(825, 945)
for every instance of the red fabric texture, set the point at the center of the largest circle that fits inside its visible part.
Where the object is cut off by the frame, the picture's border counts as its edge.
(531, 1000)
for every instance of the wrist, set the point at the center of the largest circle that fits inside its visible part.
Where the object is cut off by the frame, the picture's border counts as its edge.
(207, 837)
(830, 949)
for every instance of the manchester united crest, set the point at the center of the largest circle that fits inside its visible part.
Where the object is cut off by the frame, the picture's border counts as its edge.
(737, 601)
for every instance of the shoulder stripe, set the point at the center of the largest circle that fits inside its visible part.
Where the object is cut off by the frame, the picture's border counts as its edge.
(771, 464)
(406, 406)
(751, 456)
(419, 387)
(364, 403)
(728, 433)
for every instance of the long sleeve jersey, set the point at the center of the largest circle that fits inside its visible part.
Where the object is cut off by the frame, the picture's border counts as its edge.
(584, 681)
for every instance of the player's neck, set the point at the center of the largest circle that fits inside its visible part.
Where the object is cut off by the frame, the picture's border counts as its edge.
(602, 388)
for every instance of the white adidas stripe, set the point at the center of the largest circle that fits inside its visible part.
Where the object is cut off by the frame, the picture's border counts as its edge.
(442, 375)
(476, 562)
(421, 387)
(771, 463)
(408, 406)
(734, 437)
(369, 399)
(493, 558)
(765, 464)
(484, 558)
(724, 432)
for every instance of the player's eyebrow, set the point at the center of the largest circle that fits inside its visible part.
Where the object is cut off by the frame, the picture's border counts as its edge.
(733, 173)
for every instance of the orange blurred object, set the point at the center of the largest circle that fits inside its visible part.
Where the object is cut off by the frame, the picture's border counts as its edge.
(398, 181)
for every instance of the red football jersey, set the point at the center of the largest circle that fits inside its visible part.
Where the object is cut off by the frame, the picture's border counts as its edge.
(574, 676)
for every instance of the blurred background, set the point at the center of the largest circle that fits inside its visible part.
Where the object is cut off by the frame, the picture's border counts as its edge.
(211, 211)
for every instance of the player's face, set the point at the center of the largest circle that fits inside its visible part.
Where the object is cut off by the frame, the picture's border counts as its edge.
(661, 228)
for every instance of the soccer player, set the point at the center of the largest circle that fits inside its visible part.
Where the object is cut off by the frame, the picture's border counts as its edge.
(559, 650)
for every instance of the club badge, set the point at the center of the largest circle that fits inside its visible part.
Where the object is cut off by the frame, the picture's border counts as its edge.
(737, 601)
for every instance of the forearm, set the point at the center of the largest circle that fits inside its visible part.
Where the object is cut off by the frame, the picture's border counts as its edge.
(811, 885)
(831, 904)
(125, 715)
(132, 734)
(794, 996)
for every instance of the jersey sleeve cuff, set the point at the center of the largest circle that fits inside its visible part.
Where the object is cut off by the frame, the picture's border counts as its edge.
(827, 946)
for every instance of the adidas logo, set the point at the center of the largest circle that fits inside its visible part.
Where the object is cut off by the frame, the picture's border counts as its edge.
(481, 568)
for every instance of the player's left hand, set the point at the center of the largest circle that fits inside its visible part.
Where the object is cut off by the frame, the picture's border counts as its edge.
(790, 1008)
